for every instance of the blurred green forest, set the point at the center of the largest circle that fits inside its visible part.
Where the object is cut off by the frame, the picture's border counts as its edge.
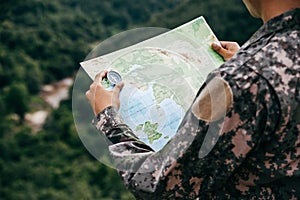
(43, 41)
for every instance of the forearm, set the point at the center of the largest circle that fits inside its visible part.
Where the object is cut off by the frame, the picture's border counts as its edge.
(110, 123)
(126, 150)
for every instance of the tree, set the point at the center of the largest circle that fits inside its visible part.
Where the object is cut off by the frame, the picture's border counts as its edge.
(17, 99)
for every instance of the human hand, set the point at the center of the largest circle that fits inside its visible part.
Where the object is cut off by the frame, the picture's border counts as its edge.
(226, 50)
(100, 98)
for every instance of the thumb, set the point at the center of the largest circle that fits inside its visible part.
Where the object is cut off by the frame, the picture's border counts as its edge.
(116, 94)
(118, 87)
(218, 48)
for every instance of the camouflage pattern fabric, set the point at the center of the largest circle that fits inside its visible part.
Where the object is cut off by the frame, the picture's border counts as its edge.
(252, 152)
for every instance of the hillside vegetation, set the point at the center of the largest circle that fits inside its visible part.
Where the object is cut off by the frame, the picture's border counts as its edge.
(42, 41)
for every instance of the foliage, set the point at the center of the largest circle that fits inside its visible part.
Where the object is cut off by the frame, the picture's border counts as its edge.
(226, 18)
(54, 165)
(16, 98)
(42, 41)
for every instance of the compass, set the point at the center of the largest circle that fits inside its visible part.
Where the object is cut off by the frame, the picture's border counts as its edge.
(114, 77)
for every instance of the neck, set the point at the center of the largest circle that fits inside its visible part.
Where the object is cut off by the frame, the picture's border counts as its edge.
(271, 9)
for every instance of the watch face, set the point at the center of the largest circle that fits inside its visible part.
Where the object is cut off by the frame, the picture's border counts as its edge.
(114, 77)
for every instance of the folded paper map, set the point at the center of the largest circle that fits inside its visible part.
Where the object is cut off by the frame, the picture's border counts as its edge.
(162, 76)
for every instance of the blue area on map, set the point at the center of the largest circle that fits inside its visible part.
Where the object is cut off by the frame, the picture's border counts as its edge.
(139, 106)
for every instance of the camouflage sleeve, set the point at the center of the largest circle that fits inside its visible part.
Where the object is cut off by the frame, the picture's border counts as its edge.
(111, 124)
(200, 160)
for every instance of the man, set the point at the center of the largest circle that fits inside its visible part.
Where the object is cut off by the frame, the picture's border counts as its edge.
(254, 139)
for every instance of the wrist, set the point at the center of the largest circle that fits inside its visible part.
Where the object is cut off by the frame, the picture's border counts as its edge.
(106, 119)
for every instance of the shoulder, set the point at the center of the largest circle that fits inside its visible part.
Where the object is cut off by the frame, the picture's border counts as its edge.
(214, 100)
(282, 47)
(229, 87)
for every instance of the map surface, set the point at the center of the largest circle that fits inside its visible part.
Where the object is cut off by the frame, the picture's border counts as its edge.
(162, 76)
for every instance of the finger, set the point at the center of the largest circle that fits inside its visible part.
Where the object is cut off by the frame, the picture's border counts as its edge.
(230, 45)
(219, 49)
(97, 77)
(216, 46)
(100, 76)
(88, 95)
(117, 89)
(225, 44)
(92, 87)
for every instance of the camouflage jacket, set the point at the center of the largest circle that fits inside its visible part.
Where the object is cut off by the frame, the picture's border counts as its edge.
(248, 150)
